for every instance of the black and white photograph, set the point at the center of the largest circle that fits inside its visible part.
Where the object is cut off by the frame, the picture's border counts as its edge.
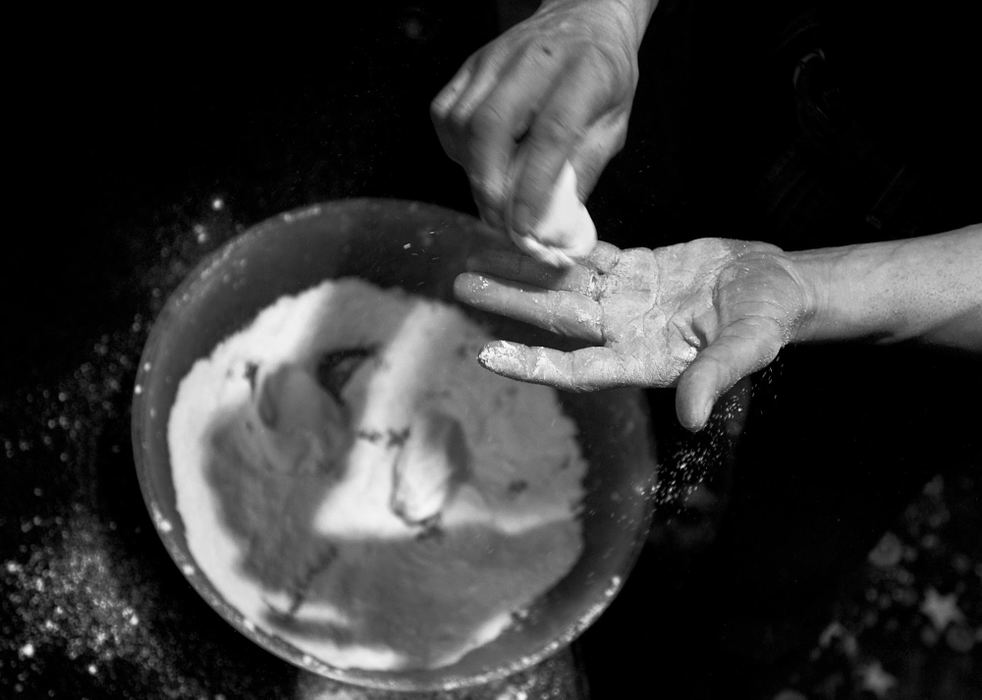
(493, 350)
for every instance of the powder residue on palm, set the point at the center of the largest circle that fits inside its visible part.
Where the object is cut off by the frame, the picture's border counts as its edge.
(352, 481)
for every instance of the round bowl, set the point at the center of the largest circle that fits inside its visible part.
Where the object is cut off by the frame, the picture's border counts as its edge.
(420, 248)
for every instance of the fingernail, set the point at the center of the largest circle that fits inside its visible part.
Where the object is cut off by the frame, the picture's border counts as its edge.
(695, 427)
(696, 420)
(499, 357)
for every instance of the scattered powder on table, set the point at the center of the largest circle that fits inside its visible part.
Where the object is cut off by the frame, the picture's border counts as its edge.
(353, 482)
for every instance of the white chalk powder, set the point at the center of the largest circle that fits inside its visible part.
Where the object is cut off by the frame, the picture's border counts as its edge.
(566, 231)
(351, 480)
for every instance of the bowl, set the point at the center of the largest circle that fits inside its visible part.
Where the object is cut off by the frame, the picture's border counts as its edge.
(420, 248)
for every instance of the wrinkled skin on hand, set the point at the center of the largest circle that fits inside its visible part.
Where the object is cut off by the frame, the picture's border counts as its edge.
(556, 87)
(699, 316)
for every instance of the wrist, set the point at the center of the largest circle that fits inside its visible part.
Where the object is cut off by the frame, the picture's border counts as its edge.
(632, 16)
(813, 270)
(640, 12)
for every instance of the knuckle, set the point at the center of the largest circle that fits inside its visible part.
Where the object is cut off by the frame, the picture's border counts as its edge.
(457, 119)
(438, 108)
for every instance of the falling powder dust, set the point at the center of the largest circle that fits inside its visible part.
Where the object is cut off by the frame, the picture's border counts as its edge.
(353, 482)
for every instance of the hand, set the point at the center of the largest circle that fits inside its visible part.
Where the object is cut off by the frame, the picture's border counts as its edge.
(555, 87)
(699, 316)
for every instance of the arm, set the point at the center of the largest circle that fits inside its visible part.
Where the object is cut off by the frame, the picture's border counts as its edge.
(928, 288)
(557, 87)
(702, 315)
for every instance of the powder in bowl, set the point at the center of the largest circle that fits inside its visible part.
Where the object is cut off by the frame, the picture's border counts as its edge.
(353, 482)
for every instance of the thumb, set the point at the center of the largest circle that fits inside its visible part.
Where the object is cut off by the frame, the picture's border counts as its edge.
(742, 348)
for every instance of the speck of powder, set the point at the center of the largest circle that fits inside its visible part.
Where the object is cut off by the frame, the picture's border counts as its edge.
(73, 589)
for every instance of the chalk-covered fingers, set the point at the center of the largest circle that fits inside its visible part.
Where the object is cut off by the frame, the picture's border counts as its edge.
(588, 277)
(587, 369)
(563, 312)
(525, 270)
(570, 301)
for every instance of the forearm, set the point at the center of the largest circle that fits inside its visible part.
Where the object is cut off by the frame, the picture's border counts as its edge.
(927, 288)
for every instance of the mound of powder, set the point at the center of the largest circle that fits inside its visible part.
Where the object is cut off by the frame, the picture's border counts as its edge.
(353, 482)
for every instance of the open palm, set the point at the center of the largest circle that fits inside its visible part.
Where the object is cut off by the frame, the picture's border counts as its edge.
(699, 316)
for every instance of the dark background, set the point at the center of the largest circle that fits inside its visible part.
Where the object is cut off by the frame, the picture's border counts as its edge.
(124, 135)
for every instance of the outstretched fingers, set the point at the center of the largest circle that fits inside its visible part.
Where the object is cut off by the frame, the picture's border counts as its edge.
(587, 369)
(566, 313)
(524, 269)
(585, 278)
